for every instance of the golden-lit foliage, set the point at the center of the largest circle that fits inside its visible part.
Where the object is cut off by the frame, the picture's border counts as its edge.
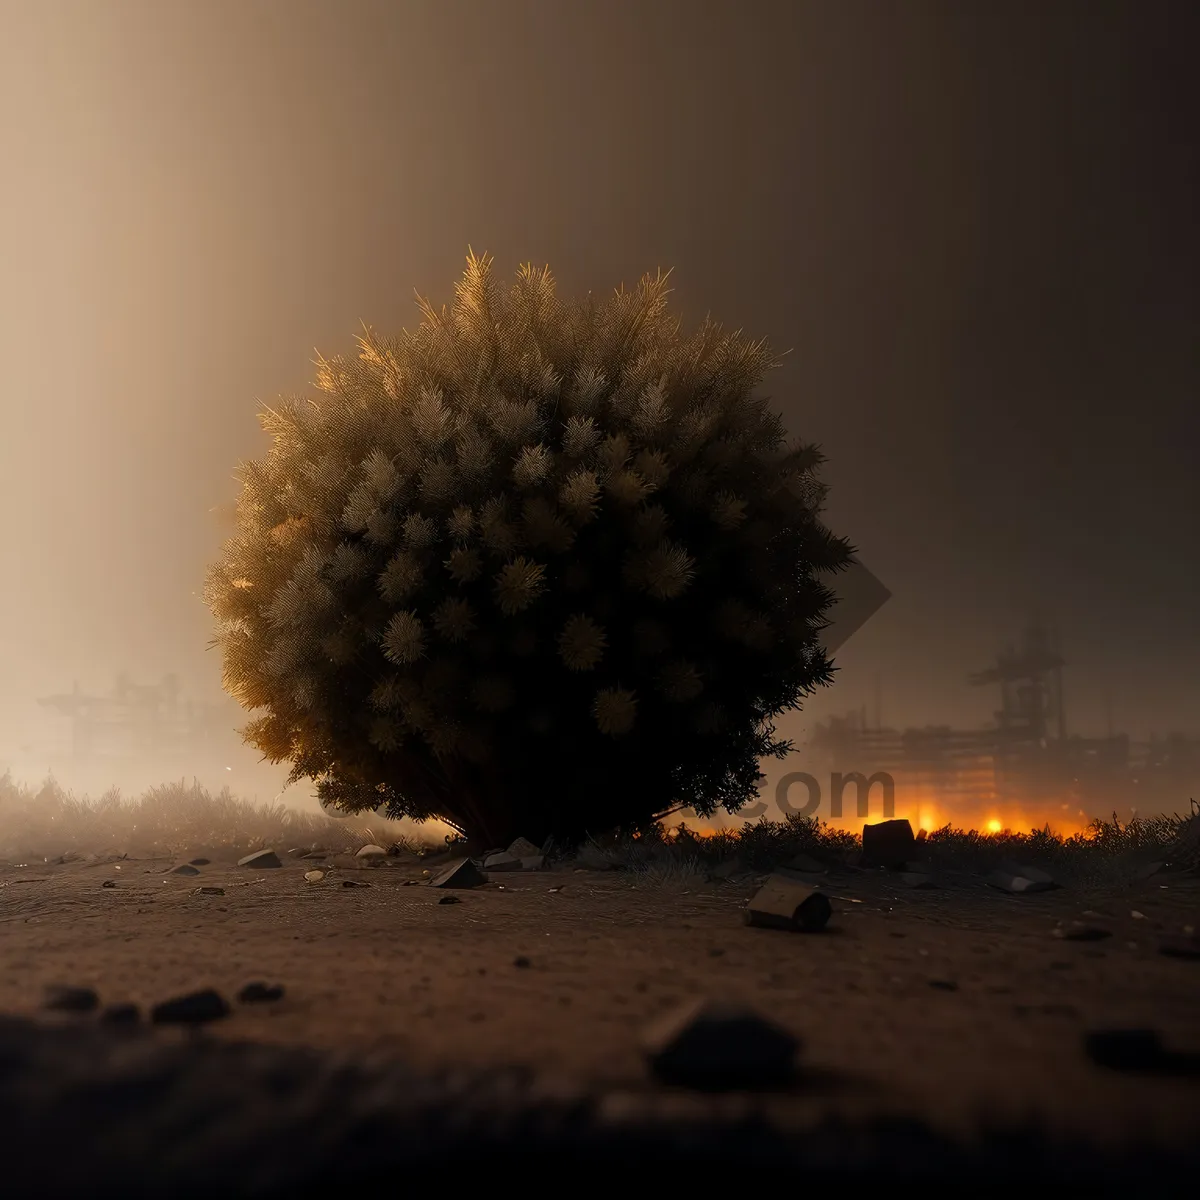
(521, 486)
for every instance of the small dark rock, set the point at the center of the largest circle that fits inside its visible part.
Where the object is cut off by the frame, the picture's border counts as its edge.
(521, 961)
(712, 1046)
(887, 844)
(724, 870)
(195, 1008)
(198, 862)
(354, 883)
(1125, 1049)
(944, 985)
(450, 900)
(209, 891)
(1184, 947)
(1078, 931)
(804, 863)
(185, 869)
(110, 883)
(121, 1014)
(260, 993)
(914, 879)
(70, 999)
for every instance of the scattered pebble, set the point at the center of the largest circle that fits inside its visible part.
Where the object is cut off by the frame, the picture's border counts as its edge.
(209, 891)
(314, 876)
(68, 998)
(1124, 1049)
(194, 1008)
(1185, 947)
(712, 1046)
(261, 993)
(1077, 931)
(450, 900)
(944, 985)
(185, 869)
(521, 961)
(121, 1014)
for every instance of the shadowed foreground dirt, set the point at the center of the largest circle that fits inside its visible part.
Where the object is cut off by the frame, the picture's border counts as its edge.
(507, 1027)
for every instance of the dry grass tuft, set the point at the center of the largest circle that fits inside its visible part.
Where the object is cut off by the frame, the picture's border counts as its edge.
(170, 820)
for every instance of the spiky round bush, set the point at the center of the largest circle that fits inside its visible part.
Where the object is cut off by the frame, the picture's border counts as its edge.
(534, 568)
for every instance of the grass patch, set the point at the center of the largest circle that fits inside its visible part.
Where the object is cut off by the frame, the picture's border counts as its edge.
(1105, 850)
(169, 820)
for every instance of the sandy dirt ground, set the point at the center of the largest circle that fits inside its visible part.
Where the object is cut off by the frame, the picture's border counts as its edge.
(957, 1005)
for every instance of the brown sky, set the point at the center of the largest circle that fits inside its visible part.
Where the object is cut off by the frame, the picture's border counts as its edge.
(975, 225)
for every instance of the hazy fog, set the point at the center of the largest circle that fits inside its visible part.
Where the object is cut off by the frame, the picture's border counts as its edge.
(977, 231)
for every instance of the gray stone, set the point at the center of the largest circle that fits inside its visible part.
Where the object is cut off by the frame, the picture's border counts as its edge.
(260, 860)
(461, 873)
(371, 853)
(887, 844)
(725, 870)
(501, 861)
(788, 904)
(805, 863)
(195, 1008)
(185, 869)
(713, 1046)
(1016, 884)
(1025, 871)
(523, 848)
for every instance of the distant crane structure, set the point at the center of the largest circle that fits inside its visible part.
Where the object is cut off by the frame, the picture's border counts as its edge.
(1026, 754)
(135, 720)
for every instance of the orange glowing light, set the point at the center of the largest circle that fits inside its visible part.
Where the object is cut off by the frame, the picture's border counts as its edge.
(994, 826)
